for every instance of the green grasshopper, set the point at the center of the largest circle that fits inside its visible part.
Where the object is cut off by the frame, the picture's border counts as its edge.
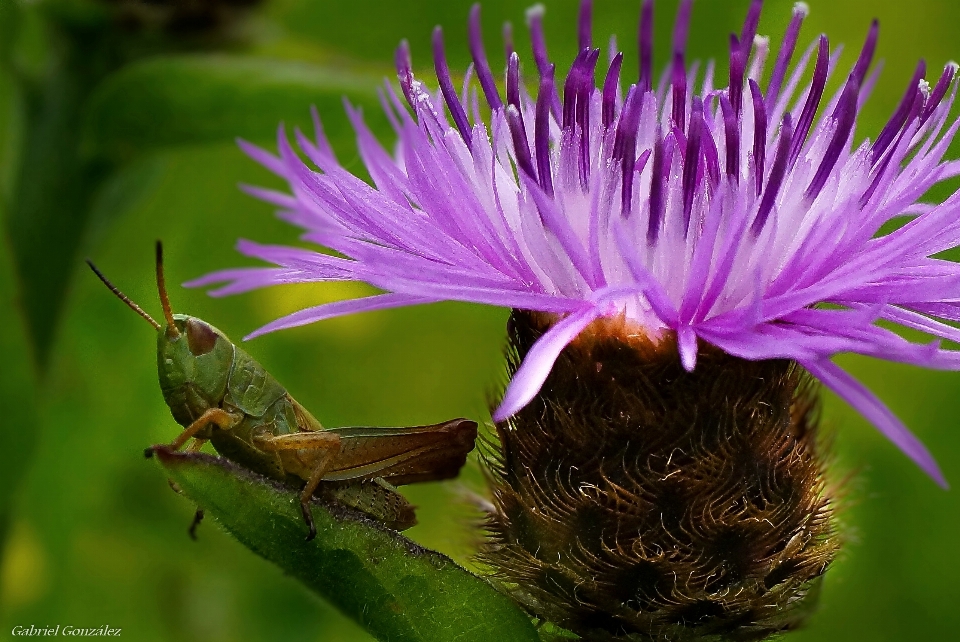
(218, 393)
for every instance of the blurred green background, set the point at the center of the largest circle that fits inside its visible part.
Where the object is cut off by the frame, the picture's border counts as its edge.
(118, 131)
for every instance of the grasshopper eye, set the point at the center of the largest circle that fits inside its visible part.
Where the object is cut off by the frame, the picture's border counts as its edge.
(200, 337)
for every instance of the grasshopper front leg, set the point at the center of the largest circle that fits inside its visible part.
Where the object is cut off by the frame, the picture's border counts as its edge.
(325, 446)
(217, 416)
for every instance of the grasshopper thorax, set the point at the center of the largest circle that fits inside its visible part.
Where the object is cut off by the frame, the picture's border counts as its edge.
(193, 364)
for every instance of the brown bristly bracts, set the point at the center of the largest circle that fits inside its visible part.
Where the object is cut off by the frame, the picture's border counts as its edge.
(636, 500)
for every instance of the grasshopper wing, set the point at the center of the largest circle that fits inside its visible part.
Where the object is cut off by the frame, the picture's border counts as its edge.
(404, 455)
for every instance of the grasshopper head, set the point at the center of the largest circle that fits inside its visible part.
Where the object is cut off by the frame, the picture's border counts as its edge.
(193, 357)
(193, 363)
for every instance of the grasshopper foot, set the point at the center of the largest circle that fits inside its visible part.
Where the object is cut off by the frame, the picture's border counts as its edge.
(148, 452)
(308, 518)
(197, 518)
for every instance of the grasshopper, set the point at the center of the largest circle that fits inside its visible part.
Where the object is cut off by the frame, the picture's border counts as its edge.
(220, 394)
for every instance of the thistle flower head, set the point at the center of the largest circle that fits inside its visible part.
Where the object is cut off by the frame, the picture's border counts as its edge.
(743, 212)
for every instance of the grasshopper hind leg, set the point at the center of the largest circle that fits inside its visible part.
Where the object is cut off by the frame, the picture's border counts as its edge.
(320, 469)
(308, 518)
(324, 447)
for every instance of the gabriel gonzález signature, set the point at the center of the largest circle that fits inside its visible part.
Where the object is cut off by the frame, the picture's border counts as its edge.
(73, 631)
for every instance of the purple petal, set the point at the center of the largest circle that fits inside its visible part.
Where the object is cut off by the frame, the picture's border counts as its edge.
(687, 343)
(527, 381)
(867, 404)
(247, 279)
(652, 289)
(263, 157)
(270, 196)
(340, 308)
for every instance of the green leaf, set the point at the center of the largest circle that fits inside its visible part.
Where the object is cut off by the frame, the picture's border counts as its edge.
(51, 191)
(18, 386)
(9, 22)
(394, 588)
(203, 98)
(18, 377)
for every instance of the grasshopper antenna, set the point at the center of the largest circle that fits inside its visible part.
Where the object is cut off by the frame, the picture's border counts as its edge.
(123, 297)
(162, 288)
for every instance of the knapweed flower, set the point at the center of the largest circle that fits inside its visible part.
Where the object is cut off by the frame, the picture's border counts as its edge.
(684, 255)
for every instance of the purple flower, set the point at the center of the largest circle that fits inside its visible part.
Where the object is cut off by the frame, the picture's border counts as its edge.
(727, 216)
